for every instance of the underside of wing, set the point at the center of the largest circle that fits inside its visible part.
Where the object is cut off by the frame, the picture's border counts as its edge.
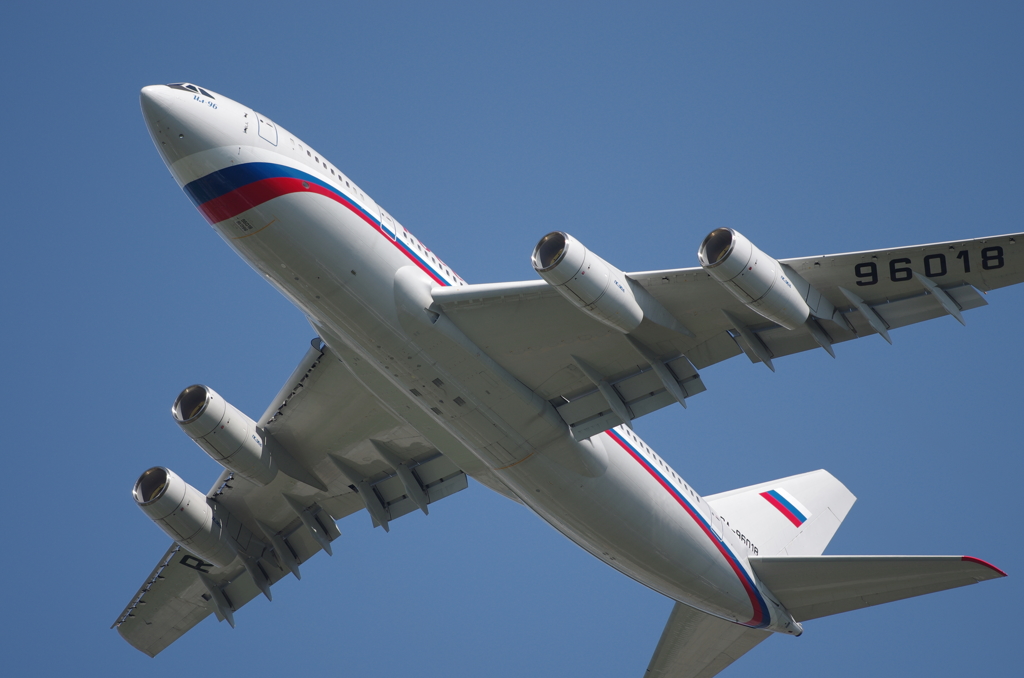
(598, 376)
(339, 451)
(697, 645)
(564, 355)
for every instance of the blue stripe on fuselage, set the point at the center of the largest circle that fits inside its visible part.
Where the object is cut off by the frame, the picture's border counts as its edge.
(696, 515)
(233, 177)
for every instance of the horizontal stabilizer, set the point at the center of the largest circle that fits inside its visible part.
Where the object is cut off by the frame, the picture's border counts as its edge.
(819, 586)
(697, 645)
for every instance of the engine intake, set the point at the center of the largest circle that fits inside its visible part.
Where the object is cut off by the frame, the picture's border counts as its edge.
(226, 434)
(588, 281)
(184, 513)
(753, 277)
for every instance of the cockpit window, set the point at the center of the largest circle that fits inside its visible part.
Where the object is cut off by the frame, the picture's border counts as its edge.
(187, 87)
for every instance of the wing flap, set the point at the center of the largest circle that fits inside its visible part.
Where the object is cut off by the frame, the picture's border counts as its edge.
(438, 476)
(895, 313)
(819, 586)
(697, 645)
(174, 599)
(642, 392)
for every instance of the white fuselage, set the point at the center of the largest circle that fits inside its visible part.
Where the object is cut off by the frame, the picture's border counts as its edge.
(359, 277)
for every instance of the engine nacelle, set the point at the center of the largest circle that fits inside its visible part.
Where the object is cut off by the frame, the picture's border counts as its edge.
(231, 438)
(753, 277)
(184, 514)
(588, 281)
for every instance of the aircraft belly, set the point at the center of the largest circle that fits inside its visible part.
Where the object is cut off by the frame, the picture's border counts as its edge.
(623, 519)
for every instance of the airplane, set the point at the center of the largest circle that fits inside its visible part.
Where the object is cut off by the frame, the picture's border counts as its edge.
(417, 380)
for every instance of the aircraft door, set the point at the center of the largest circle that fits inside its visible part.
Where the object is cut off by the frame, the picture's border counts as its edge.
(718, 525)
(387, 224)
(266, 129)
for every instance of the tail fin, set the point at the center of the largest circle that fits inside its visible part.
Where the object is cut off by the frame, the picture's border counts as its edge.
(795, 516)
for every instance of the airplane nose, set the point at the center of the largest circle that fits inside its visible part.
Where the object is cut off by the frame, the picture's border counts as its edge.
(183, 122)
(154, 99)
(172, 124)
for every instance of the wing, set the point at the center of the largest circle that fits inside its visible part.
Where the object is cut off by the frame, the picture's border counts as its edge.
(564, 355)
(377, 463)
(697, 645)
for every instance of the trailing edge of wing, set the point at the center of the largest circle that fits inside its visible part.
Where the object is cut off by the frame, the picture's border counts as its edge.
(697, 645)
(819, 586)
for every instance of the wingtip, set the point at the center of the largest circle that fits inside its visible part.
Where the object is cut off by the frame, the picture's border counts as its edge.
(972, 559)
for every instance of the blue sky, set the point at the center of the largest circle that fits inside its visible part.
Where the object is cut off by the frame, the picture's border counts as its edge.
(638, 129)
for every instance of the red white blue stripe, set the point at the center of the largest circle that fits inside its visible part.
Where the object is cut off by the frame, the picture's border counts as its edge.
(761, 616)
(787, 506)
(226, 193)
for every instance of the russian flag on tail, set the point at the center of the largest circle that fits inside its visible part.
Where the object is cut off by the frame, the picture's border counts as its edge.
(787, 506)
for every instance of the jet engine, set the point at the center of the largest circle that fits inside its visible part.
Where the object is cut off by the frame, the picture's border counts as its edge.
(588, 281)
(753, 277)
(231, 438)
(184, 514)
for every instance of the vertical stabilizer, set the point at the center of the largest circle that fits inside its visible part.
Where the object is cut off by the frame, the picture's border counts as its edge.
(794, 516)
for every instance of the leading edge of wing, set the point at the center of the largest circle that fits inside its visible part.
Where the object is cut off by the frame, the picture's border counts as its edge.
(796, 261)
(496, 291)
(478, 294)
(882, 250)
